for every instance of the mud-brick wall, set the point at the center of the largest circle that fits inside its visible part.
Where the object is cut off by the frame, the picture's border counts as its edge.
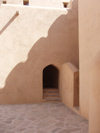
(89, 52)
(35, 38)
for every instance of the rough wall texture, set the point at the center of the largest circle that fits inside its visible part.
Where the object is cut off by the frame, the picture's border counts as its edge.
(37, 37)
(89, 40)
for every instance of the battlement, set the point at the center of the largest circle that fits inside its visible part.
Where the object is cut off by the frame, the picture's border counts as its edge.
(47, 3)
(11, 1)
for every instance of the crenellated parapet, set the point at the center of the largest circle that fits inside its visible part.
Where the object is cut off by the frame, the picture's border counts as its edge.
(14, 1)
(44, 3)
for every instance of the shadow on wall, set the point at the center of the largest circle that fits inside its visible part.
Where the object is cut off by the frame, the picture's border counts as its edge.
(9, 22)
(24, 83)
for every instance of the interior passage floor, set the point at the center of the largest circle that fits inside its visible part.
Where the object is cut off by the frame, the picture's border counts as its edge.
(40, 118)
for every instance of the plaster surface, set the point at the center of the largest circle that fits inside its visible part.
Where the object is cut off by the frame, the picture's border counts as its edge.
(69, 85)
(36, 38)
(94, 107)
(89, 53)
(40, 118)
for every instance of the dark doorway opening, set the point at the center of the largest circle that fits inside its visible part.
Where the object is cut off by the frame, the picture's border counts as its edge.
(50, 77)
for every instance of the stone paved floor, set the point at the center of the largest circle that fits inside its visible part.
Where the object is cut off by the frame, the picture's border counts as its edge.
(40, 118)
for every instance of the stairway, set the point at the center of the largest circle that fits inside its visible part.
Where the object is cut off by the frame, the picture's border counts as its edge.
(51, 94)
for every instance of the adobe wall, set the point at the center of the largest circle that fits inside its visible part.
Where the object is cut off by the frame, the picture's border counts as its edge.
(89, 49)
(13, 1)
(69, 85)
(44, 3)
(35, 38)
(94, 103)
(48, 3)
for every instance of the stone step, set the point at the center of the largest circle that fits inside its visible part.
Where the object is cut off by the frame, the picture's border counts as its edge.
(51, 94)
(51, 90)
(52, 98)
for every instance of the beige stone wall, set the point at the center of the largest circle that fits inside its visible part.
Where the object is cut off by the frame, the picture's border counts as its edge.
(37, 37)
(89, 42)
(69, 85)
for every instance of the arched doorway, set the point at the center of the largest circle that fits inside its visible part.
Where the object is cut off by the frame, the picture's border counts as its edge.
(50, 77)
(50, 82)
